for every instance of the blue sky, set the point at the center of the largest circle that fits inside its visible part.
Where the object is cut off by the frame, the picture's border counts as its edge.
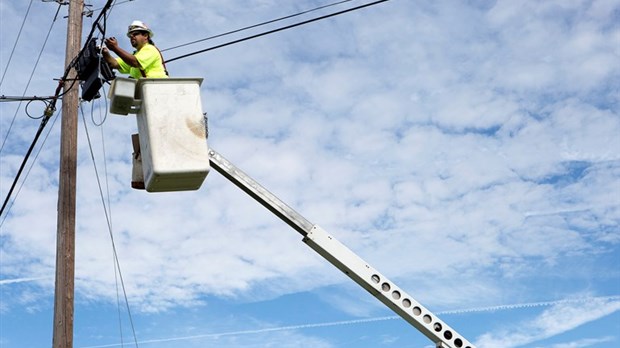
(468, 150)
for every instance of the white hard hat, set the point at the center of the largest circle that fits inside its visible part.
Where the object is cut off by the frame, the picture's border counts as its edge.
(139, 26)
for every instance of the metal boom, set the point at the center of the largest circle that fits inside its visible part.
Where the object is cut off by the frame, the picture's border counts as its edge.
(345, 259)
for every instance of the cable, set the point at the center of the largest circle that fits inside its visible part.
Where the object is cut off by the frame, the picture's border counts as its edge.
(115, 4)
(109, 223)
(105, 115)
(276, 30)
(21, 167)
(109, 205)
(36, 64)
(30, 168)
(96, 24)
(49, 111)
(255, 25)
(29, 115)
(52, 106)
(15, 44)
(107, 185)
(105, 9)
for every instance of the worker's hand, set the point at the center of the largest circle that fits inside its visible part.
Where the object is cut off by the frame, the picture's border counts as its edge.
(111, 43)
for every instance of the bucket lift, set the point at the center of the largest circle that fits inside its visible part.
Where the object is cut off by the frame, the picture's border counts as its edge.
(176, 157)
(171, 127)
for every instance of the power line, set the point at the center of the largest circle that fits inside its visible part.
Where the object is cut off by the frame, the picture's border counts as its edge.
(117, 265)
(49, 111)
(51, 107)
(29, 169)
(36, 64)
(276, 30)
(256, 25)
(115, 4)
(15, 44)
(109, 222)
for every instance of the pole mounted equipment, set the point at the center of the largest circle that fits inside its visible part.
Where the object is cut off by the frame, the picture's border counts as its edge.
(93, 70)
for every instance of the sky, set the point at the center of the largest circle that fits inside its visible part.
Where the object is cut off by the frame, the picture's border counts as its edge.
(468, 150)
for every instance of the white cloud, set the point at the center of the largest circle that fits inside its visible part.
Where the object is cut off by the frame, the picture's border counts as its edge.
(587, 342)
(446, 143)
(551, 322)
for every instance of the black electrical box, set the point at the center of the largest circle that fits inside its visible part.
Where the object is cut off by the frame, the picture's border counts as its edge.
(92, 71)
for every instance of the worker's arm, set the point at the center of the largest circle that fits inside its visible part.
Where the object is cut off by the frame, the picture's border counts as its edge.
(127, 57)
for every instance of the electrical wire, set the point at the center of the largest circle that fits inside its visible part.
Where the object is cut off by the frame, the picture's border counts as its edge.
(117, 268)
(256, 25)
(276, 30)
(34, 69)
(28, 113)
(105, 115)
(28, 153)
(107, 185)
(53, 100)
(15, 44)
(118, 305)
(30, 168)
(52, 106)
(115, 4)
(49, 111)
(109, 224)
(95, 25)
(117, 271)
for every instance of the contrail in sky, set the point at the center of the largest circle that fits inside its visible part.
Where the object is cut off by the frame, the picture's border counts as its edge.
(369, 320)
(21, 280)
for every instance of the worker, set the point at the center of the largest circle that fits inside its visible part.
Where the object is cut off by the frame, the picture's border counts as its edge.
(145, 61)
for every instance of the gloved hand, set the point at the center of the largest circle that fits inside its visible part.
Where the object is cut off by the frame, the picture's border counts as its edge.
(111, 43)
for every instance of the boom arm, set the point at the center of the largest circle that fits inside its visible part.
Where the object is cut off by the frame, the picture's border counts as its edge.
(345, 259)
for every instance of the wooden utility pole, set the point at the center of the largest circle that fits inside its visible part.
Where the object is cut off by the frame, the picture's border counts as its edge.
(65, 235)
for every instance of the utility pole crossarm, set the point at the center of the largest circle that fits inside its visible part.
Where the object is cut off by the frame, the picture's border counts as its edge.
(345, 260)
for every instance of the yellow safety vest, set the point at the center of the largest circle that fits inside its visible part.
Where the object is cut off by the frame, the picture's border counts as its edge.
(150, 60)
